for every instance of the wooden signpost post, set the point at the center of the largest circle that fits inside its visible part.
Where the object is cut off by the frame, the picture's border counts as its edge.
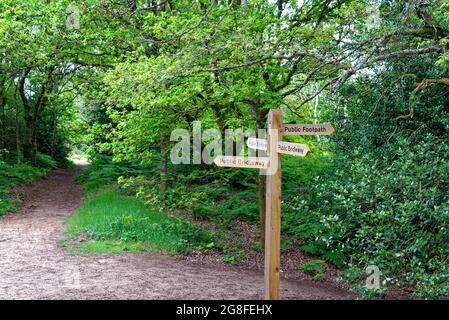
(273, 208)
(271, 167)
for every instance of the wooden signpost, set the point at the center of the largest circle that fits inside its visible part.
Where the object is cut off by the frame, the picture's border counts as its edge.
(271, 167)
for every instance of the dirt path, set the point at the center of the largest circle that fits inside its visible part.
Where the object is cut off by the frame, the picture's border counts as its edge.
(34, 266)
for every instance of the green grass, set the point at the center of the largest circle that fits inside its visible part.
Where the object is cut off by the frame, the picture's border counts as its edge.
(13, 175)
(112, 222)
(7, 204)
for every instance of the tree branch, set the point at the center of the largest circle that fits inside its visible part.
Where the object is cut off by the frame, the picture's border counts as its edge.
(93, 64)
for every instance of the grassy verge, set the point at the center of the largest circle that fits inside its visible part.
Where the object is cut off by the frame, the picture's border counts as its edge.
(12, 175)
(110, 222)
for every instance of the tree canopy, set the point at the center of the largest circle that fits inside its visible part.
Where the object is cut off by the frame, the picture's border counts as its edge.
(116, 77)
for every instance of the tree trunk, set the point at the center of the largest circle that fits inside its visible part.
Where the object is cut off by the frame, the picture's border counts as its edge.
(3, 122)
(34, 137)
(316, 113)
(260, 118)
(28, 119)
(54, 124)
(28, 144)
(261, 186)
(164, 150)
(18, 142)
(280, 4)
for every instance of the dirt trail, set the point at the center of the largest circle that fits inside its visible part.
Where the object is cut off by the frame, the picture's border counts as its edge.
(34, 266)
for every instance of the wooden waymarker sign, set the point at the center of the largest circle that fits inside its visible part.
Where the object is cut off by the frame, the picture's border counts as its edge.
(271, 167)
(242, 162)
(259, 144)
(308, 129)
(294, 149)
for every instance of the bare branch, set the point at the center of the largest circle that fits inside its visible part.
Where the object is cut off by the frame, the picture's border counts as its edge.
(409, 52)
(93, 64)
(188, 30)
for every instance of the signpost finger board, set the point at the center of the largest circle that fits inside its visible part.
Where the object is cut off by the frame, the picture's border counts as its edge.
(294, 149)
(308, 129)
(242, 162)
(259, 144)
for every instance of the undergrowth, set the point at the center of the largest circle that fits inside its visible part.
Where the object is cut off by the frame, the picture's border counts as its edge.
(12, 175)
(113, 222)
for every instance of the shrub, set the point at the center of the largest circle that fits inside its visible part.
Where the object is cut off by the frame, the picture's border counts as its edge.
(390, 211)
(104, 171)
(45, 161)
(315, 268)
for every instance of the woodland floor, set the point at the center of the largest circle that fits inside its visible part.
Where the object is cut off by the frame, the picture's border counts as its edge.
(33, 264)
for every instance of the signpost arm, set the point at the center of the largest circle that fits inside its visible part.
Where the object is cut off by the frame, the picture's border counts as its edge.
(273, 208)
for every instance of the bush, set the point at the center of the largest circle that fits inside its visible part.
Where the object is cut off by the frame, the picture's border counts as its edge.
(103, 171)
(390, 213)
(315, 268)
(45, 161)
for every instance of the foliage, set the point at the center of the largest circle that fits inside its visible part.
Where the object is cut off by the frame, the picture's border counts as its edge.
(386, 201)
(207, 193)
(316, 268)
(45, 161)
(103, 171)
